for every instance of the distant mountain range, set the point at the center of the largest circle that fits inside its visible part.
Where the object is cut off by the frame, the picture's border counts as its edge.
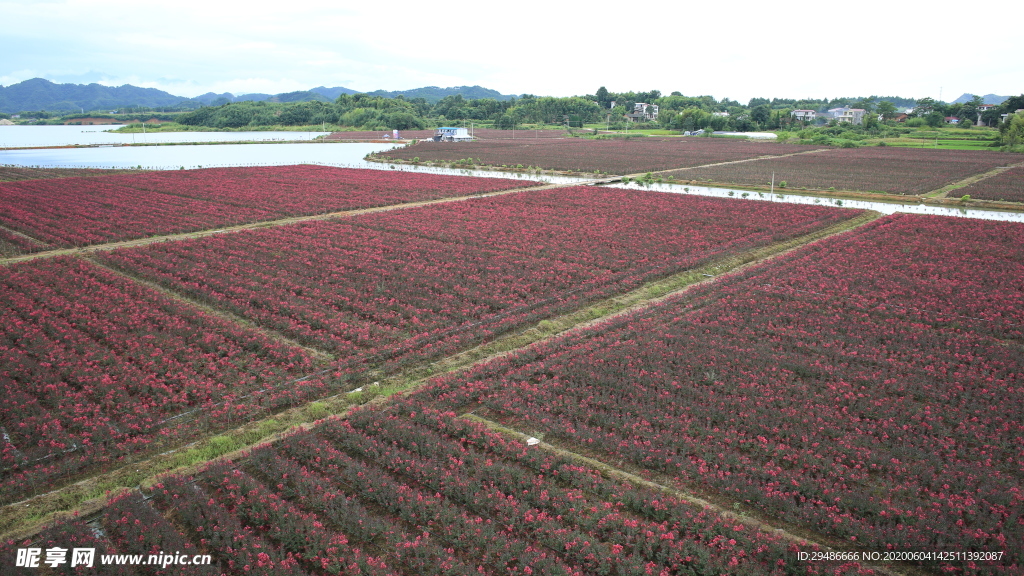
(986, 99)
(39, 94)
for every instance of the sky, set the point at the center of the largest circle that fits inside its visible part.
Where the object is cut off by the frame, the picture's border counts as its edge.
(547, 48)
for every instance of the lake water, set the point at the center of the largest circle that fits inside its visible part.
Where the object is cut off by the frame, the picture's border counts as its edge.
(351, 155)
(30, 136)
(195, 156)
(345, 155)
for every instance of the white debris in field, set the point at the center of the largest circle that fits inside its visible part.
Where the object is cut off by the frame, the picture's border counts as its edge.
(531, 441)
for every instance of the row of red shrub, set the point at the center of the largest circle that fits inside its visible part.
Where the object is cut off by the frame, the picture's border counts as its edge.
(874, 169)
(408, 490)
(90, 210)
(868, 387)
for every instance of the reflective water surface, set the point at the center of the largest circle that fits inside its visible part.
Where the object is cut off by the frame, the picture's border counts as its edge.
(27, 136)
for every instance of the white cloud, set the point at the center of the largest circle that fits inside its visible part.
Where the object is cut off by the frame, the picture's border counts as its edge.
(806, 49)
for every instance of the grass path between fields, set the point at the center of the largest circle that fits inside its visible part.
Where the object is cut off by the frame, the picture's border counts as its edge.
(945, 190)
(718, 507)
(88, 495)
(937, 194)
(766, 157)
(106, 247)
(321, 356)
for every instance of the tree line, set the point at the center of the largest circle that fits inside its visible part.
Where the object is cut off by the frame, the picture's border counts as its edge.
(675, 112)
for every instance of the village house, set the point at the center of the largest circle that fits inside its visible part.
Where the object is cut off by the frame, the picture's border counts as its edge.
(1003, 117)
(804, 115)
(643, 112)
(851, 115)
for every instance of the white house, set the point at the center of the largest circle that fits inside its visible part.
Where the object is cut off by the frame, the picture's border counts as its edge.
(448, 134)
(804, 115)
(1003, 117)
(643, 111)
(851, 115)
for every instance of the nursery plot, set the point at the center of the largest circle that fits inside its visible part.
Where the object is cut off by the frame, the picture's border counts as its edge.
(307, 189)
(14, 244)
(875, 169)
(1008, 187)
(93, 366)
(582, 155)
(14, 173)
(868, 387)
(607, 228)
(390, 287)
(410, 491)
(81, 211)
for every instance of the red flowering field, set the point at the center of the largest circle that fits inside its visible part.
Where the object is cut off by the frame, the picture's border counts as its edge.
(400, 285)
(81, 211)
(868, 387)
(1008, 186)
(874, 169)
(92, 366)
(411, 491)
(585, 155)
(14, 244)
(14, 173)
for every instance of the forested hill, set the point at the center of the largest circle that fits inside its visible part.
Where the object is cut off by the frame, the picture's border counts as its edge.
(433, 94)
(39, 94)
(986, 99)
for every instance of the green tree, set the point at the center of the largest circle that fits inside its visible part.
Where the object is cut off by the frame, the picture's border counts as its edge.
(969, 112)
(867, 104)
(924, 107)
(1011, 131)
(742, 123)
(761, 114)
(1012, 104)
(886, 109)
